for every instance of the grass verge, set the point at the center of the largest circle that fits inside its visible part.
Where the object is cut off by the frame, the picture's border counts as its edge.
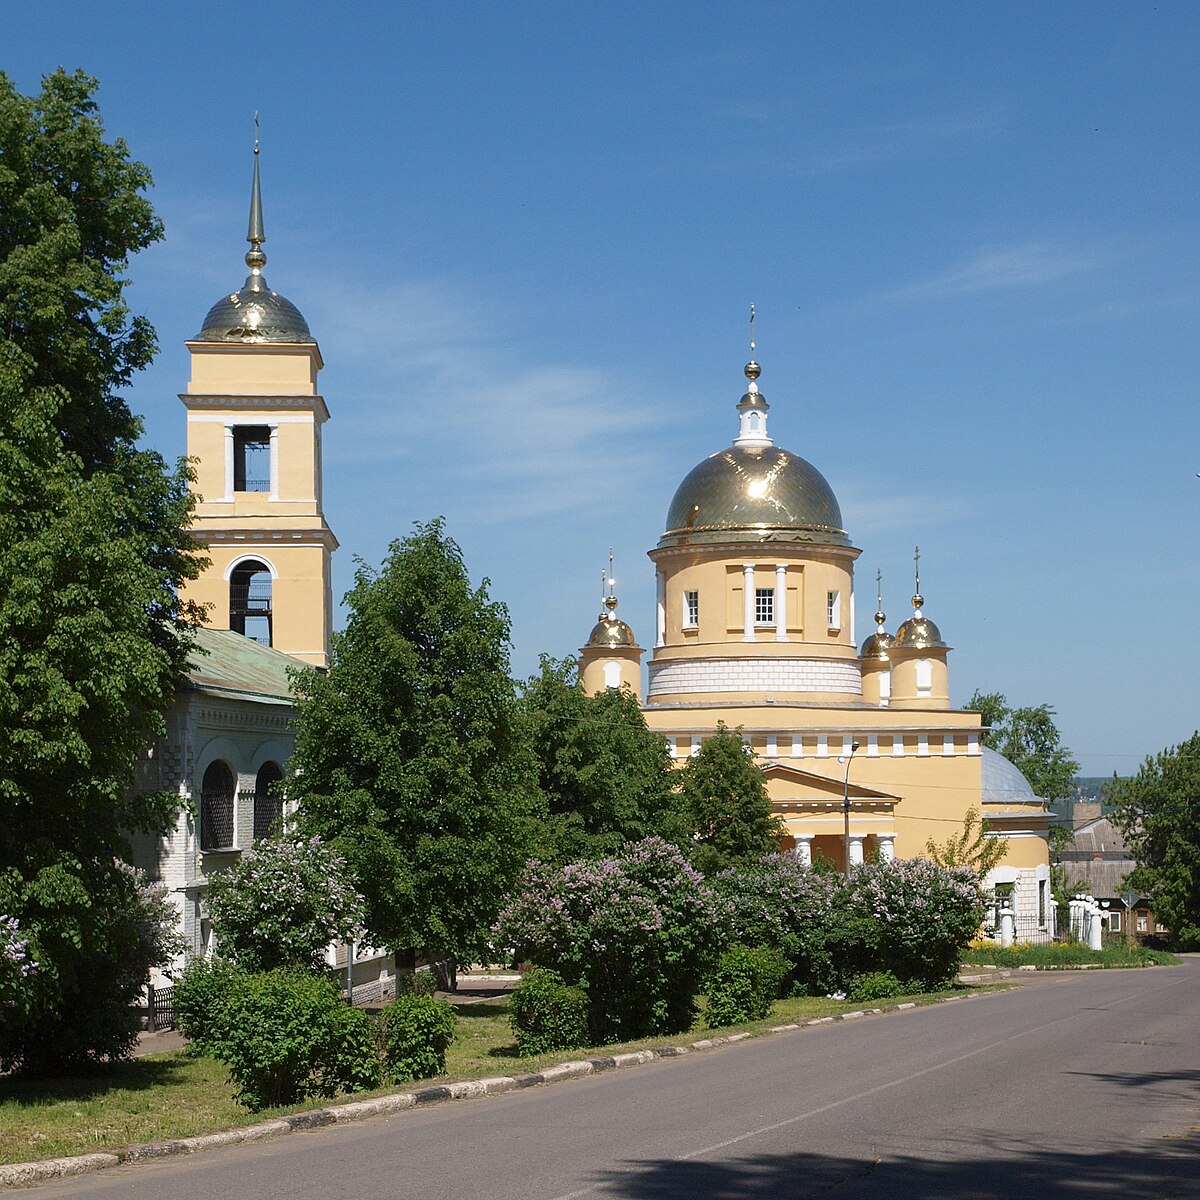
(1066, 954)
(178, 1095)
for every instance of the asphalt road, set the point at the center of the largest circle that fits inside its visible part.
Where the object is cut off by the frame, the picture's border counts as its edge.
(1081, 1085)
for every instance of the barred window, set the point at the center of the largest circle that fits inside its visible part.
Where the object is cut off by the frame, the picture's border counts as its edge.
(833, 610)
(268, 801)
(216, 807)
(251, 458)
(691, 609)
(764, 606)
(250, 609)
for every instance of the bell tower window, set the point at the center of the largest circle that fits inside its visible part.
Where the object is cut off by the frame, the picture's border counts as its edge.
(252, 458)
(250, 601)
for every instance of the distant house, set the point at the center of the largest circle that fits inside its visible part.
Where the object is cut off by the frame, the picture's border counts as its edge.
(1097, 861)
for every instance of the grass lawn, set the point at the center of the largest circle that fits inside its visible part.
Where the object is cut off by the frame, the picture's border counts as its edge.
(1066, 954)
(176, 1095)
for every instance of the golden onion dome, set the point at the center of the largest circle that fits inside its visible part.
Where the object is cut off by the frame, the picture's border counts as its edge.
(876, 647)
(754, 493)
(254, 314)
(919, 632)
(610, 630)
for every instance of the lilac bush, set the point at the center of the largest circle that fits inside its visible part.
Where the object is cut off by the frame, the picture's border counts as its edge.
(636, 932)
(17, 963)
(919, 916)
(282, 904)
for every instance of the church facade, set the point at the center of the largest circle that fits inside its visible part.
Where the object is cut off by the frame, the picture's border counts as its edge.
(755, 630)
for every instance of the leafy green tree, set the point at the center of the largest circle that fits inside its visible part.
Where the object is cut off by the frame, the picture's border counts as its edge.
(726, 803)
(409, 753)
(970, 848)
(93, 546)
(606, 778)
(1158, 810)
(1028, 738)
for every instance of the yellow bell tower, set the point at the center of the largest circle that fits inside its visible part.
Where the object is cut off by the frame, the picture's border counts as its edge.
(254, 423)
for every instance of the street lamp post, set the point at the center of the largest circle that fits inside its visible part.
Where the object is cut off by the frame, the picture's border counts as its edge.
(846, 803)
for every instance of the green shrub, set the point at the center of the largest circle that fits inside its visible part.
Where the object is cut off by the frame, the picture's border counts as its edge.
(288, 1035)
(744, 983)
(876, 985)
(421, 982)
(548, 1015)
(200, 991)
(417, 1031)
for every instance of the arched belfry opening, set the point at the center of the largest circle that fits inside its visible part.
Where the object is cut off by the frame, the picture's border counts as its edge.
(250, 601)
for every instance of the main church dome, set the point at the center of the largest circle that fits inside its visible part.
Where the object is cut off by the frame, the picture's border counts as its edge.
(754, 491)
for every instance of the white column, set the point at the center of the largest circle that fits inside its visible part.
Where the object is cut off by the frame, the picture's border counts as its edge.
(887, 846)
(856, 851)
(781, 602)
(228, 462)
(747, 602)
(1007, 924)
(275, 463)
(660, 586)
(873, 745)
(804, 848)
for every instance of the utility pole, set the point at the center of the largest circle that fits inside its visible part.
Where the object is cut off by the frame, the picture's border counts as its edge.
(846, 802)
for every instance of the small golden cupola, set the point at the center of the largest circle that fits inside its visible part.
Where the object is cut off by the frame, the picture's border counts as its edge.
(875, 656)
(612, 658)
(918, 656)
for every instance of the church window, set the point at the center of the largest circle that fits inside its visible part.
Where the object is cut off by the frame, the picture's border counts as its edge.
(612, 675)
(764, 606)
(216, 807)
(251, 458)
(250, 601)
(833, 610)
(268, 802)
(691, 610)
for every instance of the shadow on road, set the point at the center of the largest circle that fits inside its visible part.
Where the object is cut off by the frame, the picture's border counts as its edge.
(1165, 1170)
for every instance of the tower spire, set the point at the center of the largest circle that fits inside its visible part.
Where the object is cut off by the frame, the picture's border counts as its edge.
(880, 615)
(918, 600)
(752, 408)
(255, 258)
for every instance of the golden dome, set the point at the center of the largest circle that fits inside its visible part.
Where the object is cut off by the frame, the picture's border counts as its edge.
(754, 493)
(876, 647)
(611, 632)
(254, 314)
(919, 633)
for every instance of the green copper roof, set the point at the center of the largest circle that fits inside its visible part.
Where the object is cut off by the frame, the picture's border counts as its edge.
(228, 664)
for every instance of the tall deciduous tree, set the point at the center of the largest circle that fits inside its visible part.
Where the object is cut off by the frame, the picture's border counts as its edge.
(409, 754)
(605, 777)
(1158, 810)
(93, 545)
(726, 802)
(1028, 738)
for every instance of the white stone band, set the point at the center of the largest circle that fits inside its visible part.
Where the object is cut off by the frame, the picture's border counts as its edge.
(770, 675)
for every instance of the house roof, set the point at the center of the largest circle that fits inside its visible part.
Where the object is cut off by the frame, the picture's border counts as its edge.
(227, 664)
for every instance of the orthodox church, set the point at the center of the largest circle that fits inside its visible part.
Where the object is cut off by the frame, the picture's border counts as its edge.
(862, 752)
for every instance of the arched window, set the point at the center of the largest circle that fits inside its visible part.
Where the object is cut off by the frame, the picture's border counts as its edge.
(250, 601)
(216, 807)
(268, 802)
(612, 675)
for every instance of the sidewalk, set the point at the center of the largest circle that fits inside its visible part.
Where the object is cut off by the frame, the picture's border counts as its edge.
(159, 1043)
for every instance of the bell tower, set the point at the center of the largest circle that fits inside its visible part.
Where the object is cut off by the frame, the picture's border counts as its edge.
(254, 423)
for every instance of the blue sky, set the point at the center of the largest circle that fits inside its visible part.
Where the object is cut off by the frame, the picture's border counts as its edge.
(526, 237)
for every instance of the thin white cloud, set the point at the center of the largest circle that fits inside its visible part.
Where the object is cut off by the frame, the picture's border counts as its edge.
(439, 388)
(876, 514)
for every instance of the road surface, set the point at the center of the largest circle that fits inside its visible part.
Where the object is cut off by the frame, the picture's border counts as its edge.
(1080, 1085)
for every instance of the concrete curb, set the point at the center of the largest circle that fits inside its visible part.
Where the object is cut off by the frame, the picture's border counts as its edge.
(25, 1174)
